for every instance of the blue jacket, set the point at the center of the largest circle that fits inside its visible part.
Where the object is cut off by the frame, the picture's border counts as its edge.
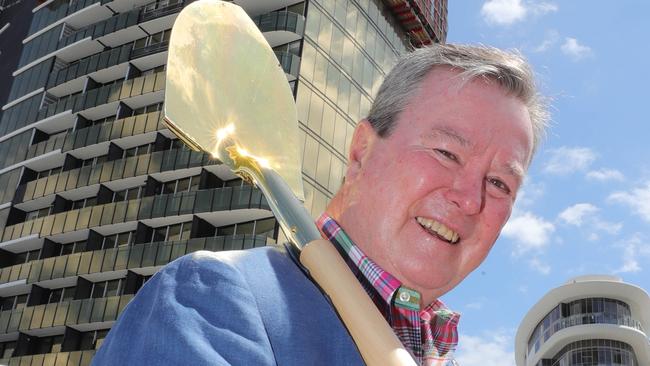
(253, 307)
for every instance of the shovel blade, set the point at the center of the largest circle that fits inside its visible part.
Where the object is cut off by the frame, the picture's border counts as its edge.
(223, 79)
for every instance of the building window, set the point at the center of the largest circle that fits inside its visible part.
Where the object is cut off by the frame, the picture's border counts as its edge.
(138, 150)
(32, 215)
(27, 256)
(92, 340)
(128, 194)
(189, 184)
(172, 232)
(159, 5)
(74, 247)
(48, 172)
(7, 349)
(94, 161)
(107, 288)
(61, 294)
(84, 202)
(102, 120)
(148, 109)
(152, 40)
(118, 240)
(13, 302)
(258, 227)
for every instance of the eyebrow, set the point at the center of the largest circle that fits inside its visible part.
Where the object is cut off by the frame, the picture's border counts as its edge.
(515, 169)
(512, 168)
(449, 133)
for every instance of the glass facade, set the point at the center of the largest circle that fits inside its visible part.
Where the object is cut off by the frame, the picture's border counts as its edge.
(96, 194)
(579, 312)
(348, 48)
(593, 352)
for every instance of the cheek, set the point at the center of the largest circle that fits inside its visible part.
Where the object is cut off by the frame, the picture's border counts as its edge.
(496, 218)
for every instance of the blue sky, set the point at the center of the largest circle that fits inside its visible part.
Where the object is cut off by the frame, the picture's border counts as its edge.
(585, 207)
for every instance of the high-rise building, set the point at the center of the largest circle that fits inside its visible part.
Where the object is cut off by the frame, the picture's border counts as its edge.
(96, 194)
(588, 321)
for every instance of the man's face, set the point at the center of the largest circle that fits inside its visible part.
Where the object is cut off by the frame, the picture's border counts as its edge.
(427, 202)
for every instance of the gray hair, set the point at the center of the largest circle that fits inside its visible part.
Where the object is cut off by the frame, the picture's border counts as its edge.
(508, 69)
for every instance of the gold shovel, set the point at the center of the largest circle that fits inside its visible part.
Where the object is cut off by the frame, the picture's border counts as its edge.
(227, 95)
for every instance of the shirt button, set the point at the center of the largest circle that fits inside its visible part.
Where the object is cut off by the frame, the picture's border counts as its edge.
(404, 296)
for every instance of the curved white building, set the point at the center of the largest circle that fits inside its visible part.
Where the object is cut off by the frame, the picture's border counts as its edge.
(590, 320)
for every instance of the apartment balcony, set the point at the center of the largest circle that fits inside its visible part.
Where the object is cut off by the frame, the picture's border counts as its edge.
(95, 103)
(203, 201)
(290, 64)
(112, 32)
(74, 358)
(281, 27)
(67, 313)
(130, 167)
(134, 257)
(79, 70)
(58, 10)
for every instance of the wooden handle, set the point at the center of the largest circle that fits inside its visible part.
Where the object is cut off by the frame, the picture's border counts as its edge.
(371, 333)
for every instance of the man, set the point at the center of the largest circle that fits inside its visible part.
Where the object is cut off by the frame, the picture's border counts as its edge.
(432, 177)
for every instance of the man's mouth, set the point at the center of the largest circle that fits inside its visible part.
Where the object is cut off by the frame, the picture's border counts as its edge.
(438, 229)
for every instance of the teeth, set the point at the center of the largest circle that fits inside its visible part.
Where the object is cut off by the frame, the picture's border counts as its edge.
(440, 229)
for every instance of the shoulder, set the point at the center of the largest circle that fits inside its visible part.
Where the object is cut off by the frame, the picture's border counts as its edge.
(198, 309)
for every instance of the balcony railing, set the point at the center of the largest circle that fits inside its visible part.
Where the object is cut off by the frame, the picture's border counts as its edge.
(87, 65)
(290, 63)
(56, 10)
(28, 112)
(44, 147)
(208, 200)
(105, 94)
(72, 312)
(104, 27)
(123, 258)
(74, 358)
(133, 166)
(150, 49)
(281, 21)
(151, 11)
(582, 319)
(107, 131)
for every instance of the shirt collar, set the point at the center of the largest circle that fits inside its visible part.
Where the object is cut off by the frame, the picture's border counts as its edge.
(389, 288)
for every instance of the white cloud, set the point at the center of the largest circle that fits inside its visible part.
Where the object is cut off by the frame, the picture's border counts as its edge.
(529, 232)
(634, 249)
(608, 227)
(493, 349)
(507, 12)
(574, 49)
(529, 193)
(605, 174)
(503, 12)
(550, 39)
(543, 8)
(539, 266)
(637, 199)
(477, 305)
(574, 215)
(565, 160)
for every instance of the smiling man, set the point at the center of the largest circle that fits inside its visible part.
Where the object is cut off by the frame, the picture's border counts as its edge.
(433, 174)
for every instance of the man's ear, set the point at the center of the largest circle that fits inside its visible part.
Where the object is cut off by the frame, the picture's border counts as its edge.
(362, 141)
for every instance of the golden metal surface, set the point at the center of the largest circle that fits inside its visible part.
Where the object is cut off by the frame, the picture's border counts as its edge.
(225, 88)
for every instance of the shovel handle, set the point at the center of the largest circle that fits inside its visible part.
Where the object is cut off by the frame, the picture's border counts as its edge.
(375, 340)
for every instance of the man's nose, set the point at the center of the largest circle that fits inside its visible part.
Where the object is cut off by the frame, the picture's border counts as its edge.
(468, 194)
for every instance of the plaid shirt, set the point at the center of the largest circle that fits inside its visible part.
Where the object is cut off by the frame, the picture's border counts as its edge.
(429, 334)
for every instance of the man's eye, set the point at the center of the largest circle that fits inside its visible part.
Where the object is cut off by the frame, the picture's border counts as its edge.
(499, 185)
(447, 154)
